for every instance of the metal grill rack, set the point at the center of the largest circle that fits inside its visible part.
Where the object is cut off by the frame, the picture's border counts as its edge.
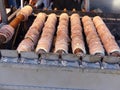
(29, 71)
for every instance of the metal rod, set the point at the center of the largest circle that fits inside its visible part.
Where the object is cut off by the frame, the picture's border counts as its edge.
(13, 15)
(87, 5)
(21, 4)
(3, 12)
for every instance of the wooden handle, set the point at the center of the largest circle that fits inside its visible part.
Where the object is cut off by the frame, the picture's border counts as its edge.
(16, 21)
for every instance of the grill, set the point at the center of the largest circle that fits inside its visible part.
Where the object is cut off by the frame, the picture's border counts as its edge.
(65, 62)
(112, 21)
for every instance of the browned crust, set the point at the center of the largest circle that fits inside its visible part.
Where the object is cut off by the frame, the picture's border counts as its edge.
(107, 38)
(92, 38)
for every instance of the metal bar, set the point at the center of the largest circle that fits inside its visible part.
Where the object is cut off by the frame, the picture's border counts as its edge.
(3, 12)
(87, 5)
(21, 4)
(13, 15)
